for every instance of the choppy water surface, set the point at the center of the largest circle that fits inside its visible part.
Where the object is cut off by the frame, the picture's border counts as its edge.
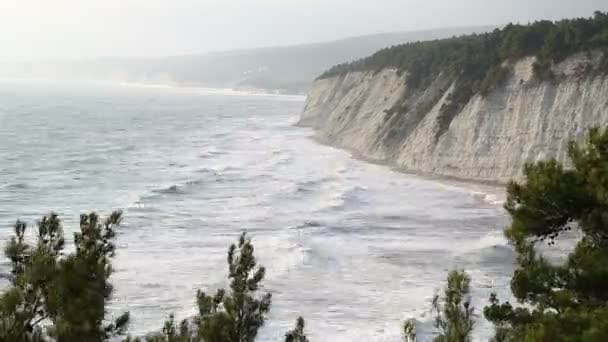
(351, 246)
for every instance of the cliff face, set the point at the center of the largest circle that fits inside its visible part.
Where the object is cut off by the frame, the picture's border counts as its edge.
(379, 117)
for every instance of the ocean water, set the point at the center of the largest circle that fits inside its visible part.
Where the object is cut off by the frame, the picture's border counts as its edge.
(353, 247)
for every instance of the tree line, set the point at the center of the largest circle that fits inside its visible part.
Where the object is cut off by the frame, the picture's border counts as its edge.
(476, 57)
(58, 296)
(476, 62)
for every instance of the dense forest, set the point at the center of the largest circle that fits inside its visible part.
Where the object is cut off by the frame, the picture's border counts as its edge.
(476, 62)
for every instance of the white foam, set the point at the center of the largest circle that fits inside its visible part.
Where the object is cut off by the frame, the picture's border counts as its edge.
(487, 194)
(492, 239)
(210, 90)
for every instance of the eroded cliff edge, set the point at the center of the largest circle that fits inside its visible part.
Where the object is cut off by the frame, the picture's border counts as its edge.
(379, 116)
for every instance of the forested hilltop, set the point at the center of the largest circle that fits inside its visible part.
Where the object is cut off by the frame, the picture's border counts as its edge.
(476, 61)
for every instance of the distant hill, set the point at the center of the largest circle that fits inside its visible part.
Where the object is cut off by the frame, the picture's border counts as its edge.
(286, 69)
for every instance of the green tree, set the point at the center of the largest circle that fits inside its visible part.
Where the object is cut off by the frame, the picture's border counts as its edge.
(454, 316)
(409, 331)
(171, 332)
(227, 316)
(566, 301)
(297, 334)
(241, 313)
(69, 291)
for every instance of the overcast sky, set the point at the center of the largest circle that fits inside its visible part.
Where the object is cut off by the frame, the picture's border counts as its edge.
(43, 29)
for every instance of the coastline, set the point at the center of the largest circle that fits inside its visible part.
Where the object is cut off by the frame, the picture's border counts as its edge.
(168, 86)
(493, 193)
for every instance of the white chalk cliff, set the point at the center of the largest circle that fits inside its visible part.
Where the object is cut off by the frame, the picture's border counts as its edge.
(377, 115)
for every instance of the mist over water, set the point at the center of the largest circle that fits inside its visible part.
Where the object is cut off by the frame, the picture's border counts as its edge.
(353, 247)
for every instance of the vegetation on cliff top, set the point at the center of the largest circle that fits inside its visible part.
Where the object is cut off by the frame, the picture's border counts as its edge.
(478, 58)
(475, 64)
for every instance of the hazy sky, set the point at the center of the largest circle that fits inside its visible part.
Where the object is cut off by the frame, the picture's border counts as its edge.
(32, 29)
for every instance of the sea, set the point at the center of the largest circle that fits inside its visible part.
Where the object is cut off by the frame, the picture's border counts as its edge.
(353, 247)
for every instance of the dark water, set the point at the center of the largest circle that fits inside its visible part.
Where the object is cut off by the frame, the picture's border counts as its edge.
(353, 247)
